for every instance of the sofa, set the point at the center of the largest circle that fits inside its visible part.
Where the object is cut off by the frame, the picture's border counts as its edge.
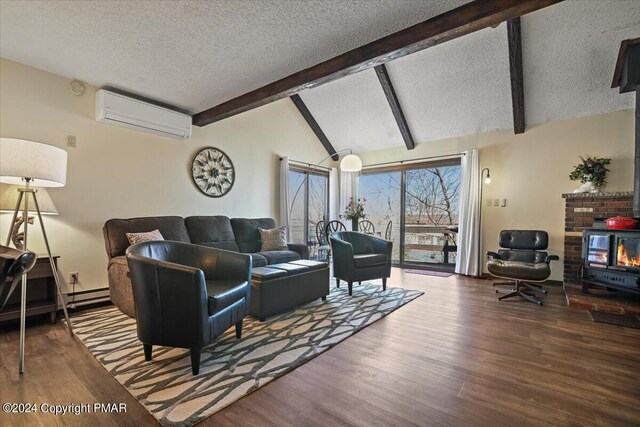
(235, 234)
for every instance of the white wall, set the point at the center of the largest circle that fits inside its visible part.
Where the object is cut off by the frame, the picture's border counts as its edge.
(531, 170)
(116, 172)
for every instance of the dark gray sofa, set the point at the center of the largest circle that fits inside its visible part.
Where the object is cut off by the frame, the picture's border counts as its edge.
(237, 234)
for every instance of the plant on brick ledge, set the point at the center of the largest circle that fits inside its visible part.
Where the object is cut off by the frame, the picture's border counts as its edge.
(592, 172)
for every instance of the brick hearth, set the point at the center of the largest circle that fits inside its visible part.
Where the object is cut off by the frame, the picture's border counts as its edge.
(580, 212)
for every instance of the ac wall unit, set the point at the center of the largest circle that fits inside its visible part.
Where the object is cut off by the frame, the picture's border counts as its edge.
(138, 115)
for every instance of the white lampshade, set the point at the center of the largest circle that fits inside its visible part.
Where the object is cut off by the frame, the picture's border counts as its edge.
(9, 198)
(351, 163)
(45, 164)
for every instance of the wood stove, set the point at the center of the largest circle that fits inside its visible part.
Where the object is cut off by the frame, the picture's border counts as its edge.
(611, 259)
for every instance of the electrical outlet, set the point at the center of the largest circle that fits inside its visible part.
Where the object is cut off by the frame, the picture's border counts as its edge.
(73, 277)
(503, 202)
(71, 141)
(496, 202)
(489, 204)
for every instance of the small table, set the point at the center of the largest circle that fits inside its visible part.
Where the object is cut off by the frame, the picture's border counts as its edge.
(42, 297)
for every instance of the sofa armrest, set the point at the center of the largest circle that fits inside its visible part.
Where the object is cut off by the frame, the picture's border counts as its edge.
(550, 258)
(300, 248)
(493, 255)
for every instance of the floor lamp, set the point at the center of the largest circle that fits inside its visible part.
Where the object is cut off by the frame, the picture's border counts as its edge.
(28, 163)
(487, 180)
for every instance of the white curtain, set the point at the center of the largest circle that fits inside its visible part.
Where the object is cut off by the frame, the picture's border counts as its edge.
(468, 258)
(334, 194)
(284, 194)
(348, 189)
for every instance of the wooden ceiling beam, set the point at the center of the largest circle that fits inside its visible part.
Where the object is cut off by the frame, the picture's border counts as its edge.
(515, 71)
(455, 23)
(315, 127)
(622, 55)
(392, 98)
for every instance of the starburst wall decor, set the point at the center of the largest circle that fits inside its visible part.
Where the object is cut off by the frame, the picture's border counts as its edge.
(213, 172)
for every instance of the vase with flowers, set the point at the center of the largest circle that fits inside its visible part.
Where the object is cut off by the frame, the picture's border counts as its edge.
(355, 212)
(592, 173)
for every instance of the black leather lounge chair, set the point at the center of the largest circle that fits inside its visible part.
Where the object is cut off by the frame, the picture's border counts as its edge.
(187, 295)
(522, 262)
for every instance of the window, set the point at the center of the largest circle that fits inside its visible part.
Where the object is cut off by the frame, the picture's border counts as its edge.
(422, 203)
(310, 206)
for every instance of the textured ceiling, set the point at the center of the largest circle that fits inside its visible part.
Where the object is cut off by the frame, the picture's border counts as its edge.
(462, 87)
(197, 54)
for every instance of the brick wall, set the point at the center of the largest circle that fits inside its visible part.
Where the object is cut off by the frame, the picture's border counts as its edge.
(580, 212)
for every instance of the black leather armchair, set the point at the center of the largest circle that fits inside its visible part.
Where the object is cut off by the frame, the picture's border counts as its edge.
(358, 257)
(522, 261)
(187, 295)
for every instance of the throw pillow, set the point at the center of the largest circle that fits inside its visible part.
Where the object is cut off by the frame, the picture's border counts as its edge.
(148, 236)
(274, 239)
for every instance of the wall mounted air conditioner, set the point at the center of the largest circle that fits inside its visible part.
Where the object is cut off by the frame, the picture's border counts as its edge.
(121, 110)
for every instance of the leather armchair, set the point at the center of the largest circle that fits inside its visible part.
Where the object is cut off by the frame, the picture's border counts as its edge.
(187, 295)
(358, 257)
(13, 264)
(522, 261)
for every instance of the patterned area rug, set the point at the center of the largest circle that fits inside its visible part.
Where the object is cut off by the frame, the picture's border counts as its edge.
(230, 368)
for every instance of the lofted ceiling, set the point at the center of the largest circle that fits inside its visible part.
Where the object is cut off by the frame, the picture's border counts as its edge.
(196, 54)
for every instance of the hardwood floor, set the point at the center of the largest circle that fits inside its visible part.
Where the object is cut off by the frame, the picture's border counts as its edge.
(454, 356)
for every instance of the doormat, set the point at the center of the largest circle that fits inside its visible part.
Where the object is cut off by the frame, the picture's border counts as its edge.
(615, 319)
(430, 273)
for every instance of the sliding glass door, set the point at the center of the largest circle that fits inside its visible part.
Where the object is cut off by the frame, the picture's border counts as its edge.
(422, 203)
(382, 192)
(310, 207)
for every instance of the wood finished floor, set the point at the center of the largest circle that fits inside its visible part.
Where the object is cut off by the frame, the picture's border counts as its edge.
(454, 356)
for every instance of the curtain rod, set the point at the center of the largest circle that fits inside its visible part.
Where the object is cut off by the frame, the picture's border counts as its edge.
(306, 164)
(400, 162)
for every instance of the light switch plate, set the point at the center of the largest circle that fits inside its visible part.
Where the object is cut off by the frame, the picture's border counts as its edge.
(496, 202)
(489, 203)
(503, 202)
(71, 141)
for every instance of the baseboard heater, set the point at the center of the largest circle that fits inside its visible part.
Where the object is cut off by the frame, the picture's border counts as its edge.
(84, 298)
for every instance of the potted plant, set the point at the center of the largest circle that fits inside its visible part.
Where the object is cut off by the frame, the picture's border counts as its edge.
(592, 173)
(355, 211)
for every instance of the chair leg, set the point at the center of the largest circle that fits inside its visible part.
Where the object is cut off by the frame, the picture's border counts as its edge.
(195, 361)
(384, 283)
(509, 295)
(148, 351)
(502, 283)
(239, 330)
(359, 283)
(324, 298)
(350, 288)
(337, 283)
(534, 288)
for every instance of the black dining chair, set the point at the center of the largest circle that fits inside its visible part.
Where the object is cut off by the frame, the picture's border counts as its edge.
(365, 226)
(330, 229)
(387, 232)
(323, 243)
